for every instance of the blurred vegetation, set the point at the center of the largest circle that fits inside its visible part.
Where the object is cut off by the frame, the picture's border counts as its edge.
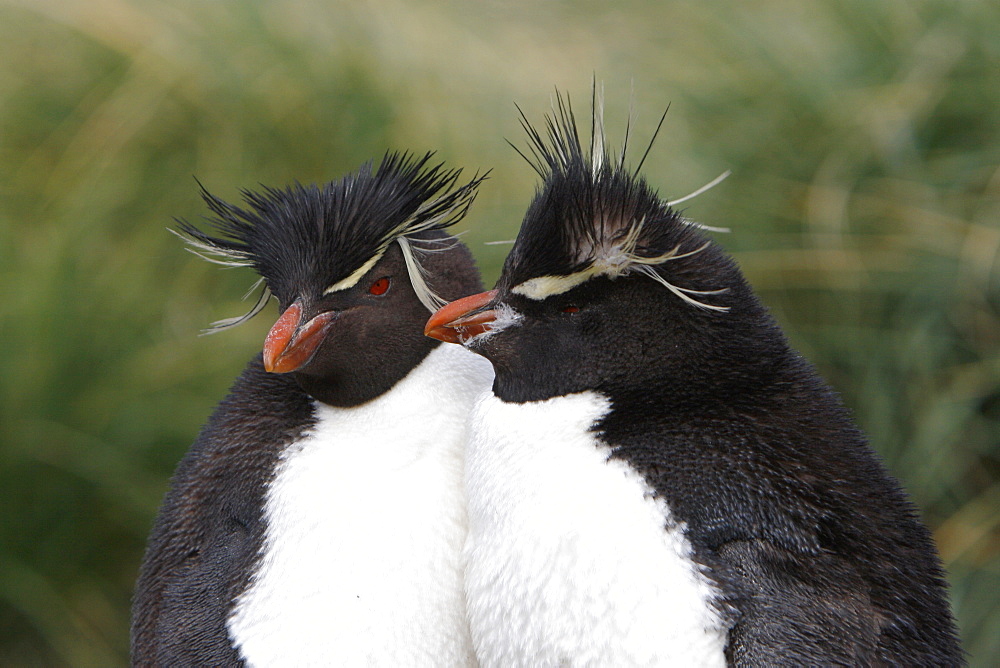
(864, 139)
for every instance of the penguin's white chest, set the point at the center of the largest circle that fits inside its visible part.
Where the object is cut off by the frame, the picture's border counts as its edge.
(361, 562)
(571, 560)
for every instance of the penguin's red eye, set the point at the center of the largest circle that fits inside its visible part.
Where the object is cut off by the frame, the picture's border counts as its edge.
(571, 309)
(379, 287)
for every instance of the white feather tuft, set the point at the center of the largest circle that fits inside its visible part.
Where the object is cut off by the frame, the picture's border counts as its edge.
(427, 297)
(598, 142)
(619, 259)
(226, 323)
(683, 293)
(708, 186)
(222, 256)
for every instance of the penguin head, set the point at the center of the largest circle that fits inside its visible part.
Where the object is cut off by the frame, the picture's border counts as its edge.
(355, 265)
(607, 287)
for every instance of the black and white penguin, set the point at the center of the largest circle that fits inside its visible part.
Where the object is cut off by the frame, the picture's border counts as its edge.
(656, 478)
(319, 517)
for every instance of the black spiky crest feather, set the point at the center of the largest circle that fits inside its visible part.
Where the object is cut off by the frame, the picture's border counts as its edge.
(317, 237)
(594, 216)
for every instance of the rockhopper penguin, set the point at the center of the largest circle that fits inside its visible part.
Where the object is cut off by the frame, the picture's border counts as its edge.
(656, 477)
(319, 517)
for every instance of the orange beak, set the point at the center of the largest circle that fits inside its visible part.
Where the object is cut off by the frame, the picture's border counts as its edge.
(462, 319)
(291, 343)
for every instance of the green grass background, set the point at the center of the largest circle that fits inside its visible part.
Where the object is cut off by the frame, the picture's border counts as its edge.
(864, 205)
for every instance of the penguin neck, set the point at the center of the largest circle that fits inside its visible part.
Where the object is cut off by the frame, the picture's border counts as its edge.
(366, 376)
(364, 524)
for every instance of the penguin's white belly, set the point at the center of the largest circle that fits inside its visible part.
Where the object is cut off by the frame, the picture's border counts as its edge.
(571, 561)
(361, 563)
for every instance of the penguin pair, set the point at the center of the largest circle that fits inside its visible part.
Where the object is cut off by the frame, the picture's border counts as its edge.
(654, 478)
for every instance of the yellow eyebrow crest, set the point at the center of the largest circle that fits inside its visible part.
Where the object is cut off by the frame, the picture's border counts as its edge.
(543, 287)
(352, 280)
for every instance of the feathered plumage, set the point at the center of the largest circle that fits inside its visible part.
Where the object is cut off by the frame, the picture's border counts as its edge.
(596, 217)
(328, 236)
(319, 516)
(758, 527)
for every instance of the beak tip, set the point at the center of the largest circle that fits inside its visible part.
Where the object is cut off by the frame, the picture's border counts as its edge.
(442, 333)
(452, 324)
(280, 336)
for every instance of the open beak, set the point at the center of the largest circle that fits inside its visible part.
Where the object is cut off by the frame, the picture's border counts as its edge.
(462, 319)
(291, 342)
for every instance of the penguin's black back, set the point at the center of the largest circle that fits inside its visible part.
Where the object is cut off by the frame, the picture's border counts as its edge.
(796, 518)
(209, 530)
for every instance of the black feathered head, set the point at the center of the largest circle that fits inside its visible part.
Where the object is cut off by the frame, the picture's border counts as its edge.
(605, 283)
(594, 217)
(325, 238)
